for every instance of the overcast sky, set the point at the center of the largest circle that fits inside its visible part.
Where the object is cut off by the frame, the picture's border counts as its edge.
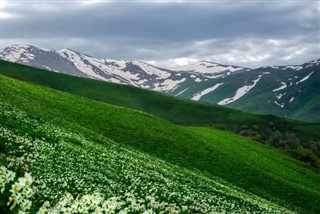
(170, 33)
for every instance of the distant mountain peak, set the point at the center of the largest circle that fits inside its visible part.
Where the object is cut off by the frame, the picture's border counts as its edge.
(210, 68)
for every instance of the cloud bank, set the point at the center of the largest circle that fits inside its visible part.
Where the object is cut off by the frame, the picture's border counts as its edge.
(170, 34)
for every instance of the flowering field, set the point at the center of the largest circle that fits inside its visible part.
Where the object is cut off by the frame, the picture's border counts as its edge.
(78, 174)
(81, 156)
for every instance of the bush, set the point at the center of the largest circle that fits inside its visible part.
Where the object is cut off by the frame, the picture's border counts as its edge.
(276, 139)
(292, 140)
(305, 155)
(245, 132)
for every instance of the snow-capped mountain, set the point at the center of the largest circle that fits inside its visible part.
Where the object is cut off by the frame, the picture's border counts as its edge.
(291, 90)
(136, 73)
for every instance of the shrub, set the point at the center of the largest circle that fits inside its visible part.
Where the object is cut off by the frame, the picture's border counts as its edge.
(276, 139)
(305, 154)
(292, 140)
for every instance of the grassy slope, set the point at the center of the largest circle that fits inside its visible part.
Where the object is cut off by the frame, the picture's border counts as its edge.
(179, 111)
(256, 168)
(80, 162)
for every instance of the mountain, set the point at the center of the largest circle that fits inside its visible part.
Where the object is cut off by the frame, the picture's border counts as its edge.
(136, 73)
(139, 162)
(288, 91)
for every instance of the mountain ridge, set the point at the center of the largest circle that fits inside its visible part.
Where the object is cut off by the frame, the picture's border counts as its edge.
(24, 54)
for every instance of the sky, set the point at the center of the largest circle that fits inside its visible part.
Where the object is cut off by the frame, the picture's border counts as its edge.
(170, 33)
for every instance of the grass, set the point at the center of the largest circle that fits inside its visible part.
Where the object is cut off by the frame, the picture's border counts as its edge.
(69, 132)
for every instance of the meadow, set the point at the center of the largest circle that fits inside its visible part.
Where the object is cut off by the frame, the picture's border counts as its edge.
(80, 150)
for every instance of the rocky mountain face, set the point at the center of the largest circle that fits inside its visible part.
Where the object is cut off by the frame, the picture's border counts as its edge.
(290, 91)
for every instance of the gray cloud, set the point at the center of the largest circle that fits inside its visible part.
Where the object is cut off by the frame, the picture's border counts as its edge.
(243, 33)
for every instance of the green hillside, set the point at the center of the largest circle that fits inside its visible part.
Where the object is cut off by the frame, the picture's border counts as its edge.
(279, 132)
(76, 145)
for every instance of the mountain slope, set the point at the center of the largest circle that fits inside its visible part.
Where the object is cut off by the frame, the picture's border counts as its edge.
(287, 91)
(283, 91)
(81, 129)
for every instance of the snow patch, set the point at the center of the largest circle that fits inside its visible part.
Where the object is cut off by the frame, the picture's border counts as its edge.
(278, 104)
(182, 92)
(140, 82)
(114, 80)
(198, 80)
(214, 76)
(145, 86)
(240, 92)
(280, 95)
(284, 85)
(167, 85)
(151, 70)
(207, 68)
(206, 91)
(293, 67)
(305, 78)
(31, 56)
(292, 98)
